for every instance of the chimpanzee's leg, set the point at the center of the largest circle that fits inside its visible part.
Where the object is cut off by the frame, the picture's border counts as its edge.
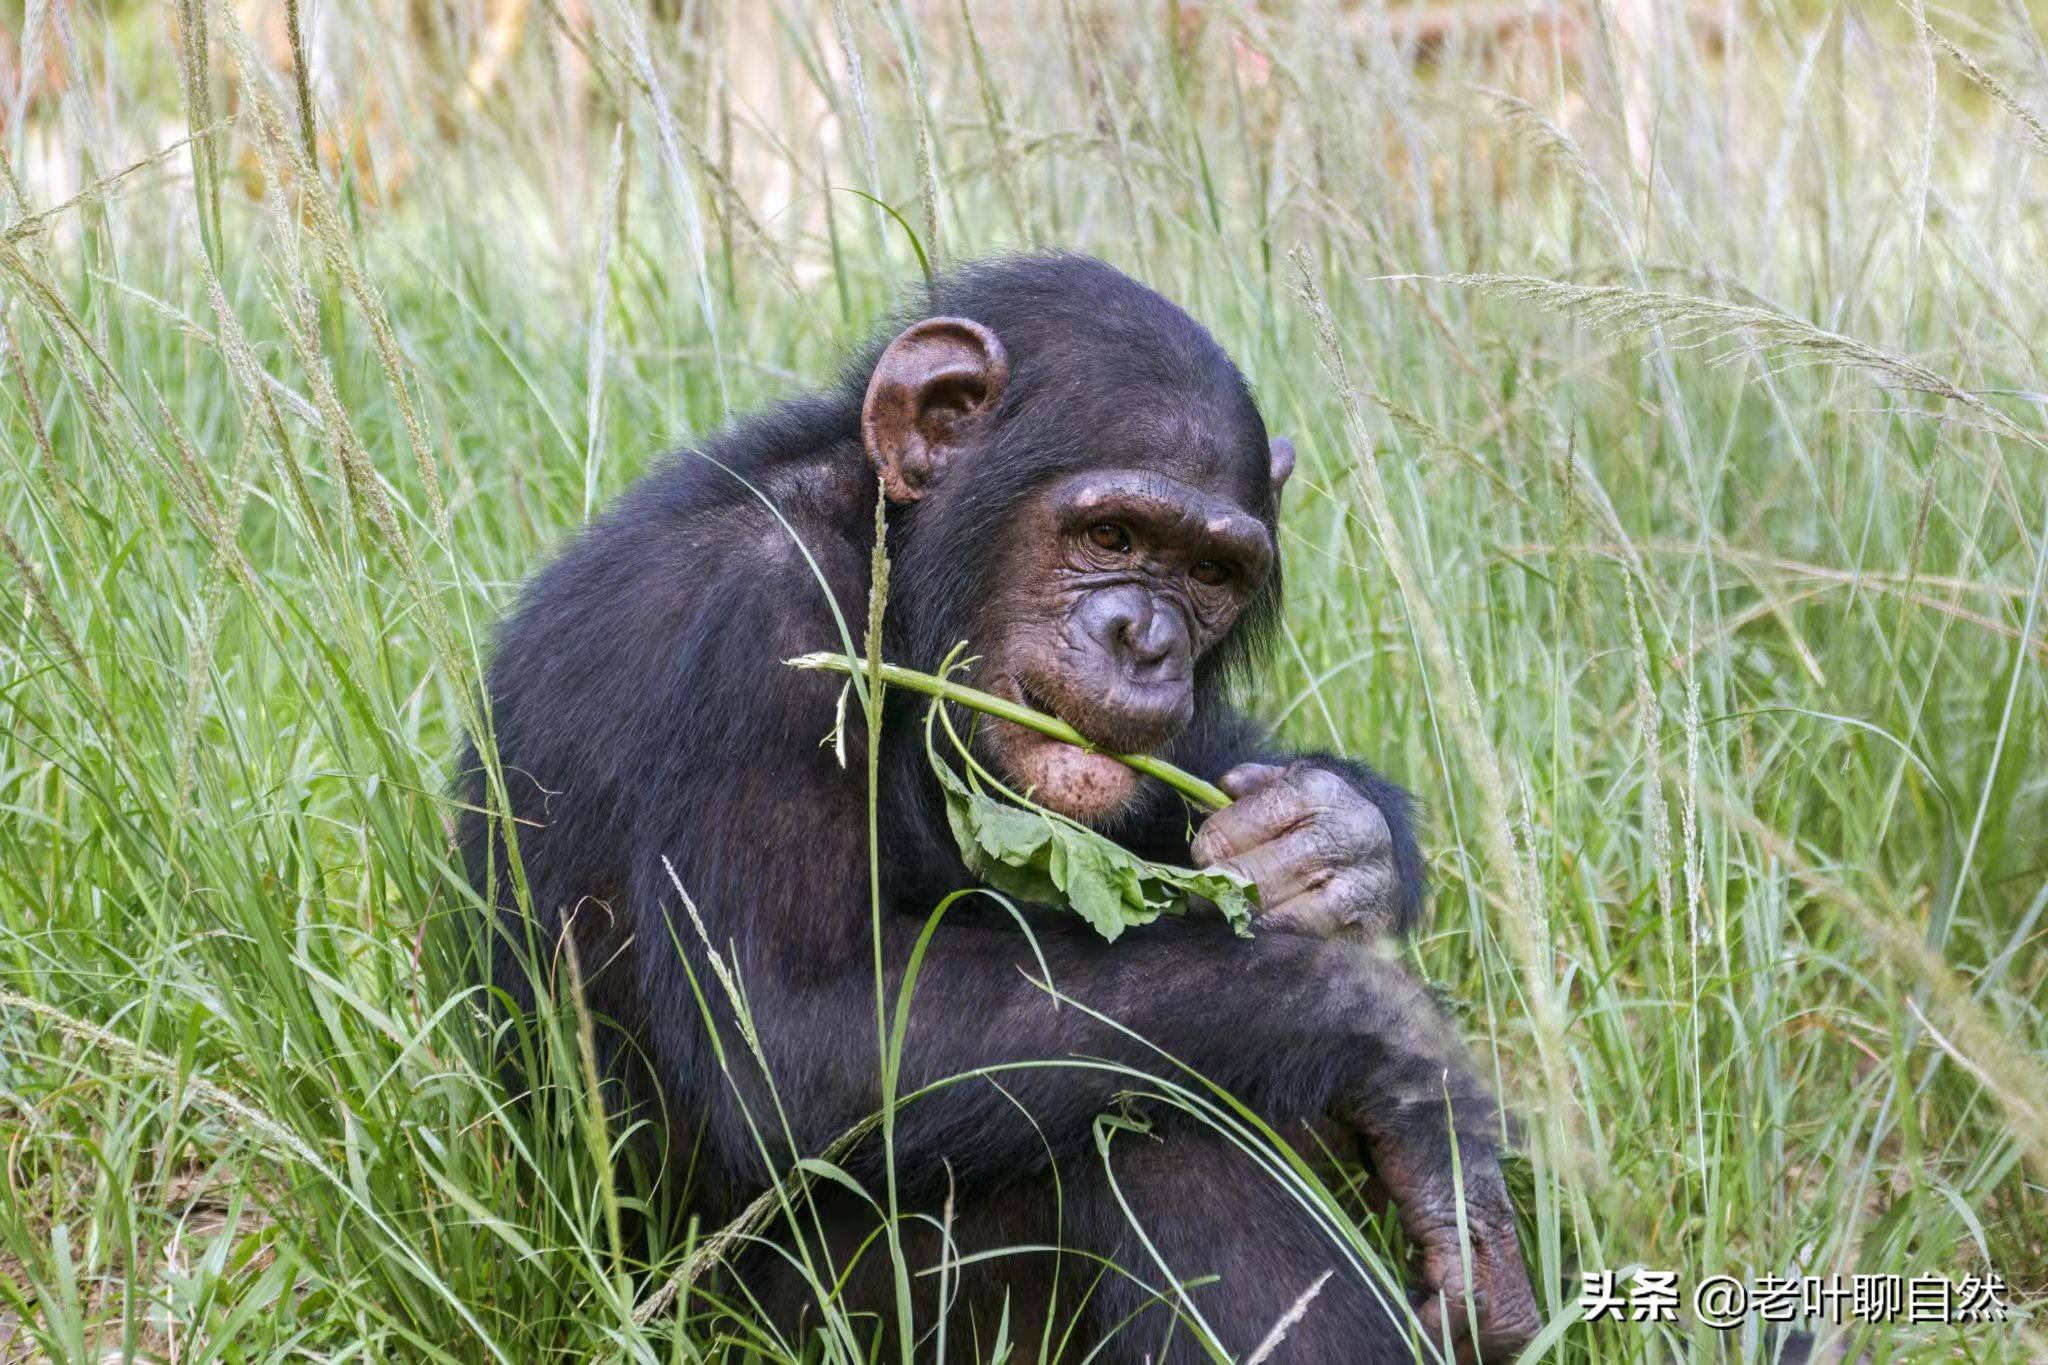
(1189, 1198)
(1208, 1210)
(960, 1268)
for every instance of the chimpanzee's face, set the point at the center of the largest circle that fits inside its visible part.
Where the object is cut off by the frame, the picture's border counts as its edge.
(1111, 583)
(1117, 581)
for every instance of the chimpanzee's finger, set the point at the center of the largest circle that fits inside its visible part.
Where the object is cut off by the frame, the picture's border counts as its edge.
(1295, 864)
(1258, 817)
(1348, 827)
(1456, 1345)
(1508, 1316)
(1247, 778)
(1357, 902)
(1242, 826)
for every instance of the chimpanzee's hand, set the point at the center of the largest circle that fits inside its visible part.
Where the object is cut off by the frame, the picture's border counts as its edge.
(1461, 1221)
(1320, 851)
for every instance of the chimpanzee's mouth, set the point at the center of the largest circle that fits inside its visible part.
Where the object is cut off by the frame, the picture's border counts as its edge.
(1115, 721)
(1087, 784)
(1038, 701)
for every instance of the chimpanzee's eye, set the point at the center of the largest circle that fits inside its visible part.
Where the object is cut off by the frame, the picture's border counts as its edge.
(1107, 535)
(1212, 573)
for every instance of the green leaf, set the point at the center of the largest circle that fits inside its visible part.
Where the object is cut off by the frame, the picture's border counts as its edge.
(1035, 855)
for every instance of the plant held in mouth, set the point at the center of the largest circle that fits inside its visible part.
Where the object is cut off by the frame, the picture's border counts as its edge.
(1038, 855)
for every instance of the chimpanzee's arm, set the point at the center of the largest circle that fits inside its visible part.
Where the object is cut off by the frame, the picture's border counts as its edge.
(1024, 1055)
(1325, 863)
(1296, 1027)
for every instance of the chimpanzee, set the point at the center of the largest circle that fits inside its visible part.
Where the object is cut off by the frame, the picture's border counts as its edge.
(1079, 484)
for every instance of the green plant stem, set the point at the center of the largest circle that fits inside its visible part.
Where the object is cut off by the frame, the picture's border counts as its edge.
(1207, 795)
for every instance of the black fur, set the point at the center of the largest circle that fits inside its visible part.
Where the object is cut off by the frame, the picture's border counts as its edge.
(642, 712)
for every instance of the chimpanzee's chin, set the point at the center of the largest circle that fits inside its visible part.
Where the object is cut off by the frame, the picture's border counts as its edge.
(1078, 783)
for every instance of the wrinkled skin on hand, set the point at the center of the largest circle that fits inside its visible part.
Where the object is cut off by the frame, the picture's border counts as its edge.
(1411, 1173)
(1501, 1316)
(1320, 851)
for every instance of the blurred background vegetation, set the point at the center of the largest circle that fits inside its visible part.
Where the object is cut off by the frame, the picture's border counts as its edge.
(1673, 516)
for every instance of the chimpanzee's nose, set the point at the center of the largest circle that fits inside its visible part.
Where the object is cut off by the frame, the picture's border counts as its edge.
(1148, 641)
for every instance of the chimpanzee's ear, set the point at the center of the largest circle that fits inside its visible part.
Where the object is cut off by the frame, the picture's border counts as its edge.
(930, 391)
(1282, 452)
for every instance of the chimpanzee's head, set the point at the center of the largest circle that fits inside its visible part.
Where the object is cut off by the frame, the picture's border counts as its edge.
(1084, 489)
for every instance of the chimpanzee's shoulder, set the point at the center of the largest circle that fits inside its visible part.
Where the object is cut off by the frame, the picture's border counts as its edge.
(801, 459)
(741, 534)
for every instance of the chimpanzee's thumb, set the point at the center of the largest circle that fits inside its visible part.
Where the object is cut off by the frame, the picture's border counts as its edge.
(1247, 778)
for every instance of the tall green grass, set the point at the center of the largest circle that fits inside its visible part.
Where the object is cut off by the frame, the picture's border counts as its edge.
(1672, 515)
